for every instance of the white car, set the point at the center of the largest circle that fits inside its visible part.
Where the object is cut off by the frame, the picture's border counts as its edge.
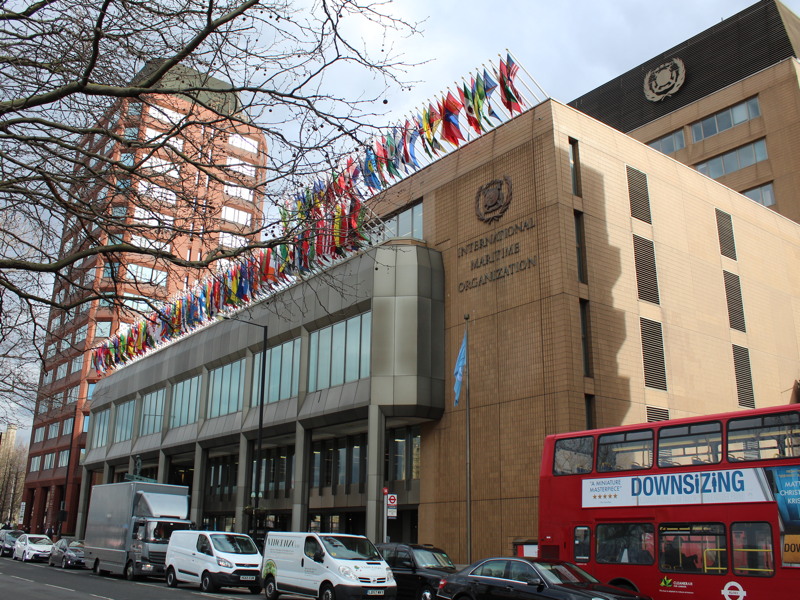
(30, 546)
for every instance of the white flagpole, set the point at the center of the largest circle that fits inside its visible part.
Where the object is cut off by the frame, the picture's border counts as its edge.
(519, 64)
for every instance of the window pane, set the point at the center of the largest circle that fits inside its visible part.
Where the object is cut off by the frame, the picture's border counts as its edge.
(739, 113)
(692, 548)
(366, 348)
(404, 225)
(296, 367)
(751, 545)
(625, 451)
(287, 351)
(709, 126)
(313, 354)
(680, 142)
(761, 150)
(324, 366)
(697, 132)
(667, 145)
(753, 108)
(632, 543)
(573, 455)
(747, 157)
(715, 169)
(351, 349)
(724, 120)
(337, 354)
(274, 383)
(730, 162)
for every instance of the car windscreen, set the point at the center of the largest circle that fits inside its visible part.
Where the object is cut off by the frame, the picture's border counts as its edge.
(432, 558)
(41, 540)
(233, 544)
(555, 573)
(13, 535)
(350, 548)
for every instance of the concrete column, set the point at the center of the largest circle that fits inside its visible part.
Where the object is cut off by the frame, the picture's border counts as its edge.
(376, 434)
(108, 473)
(302, 462)
(242, 487)
(164, 464)
(83, 503)
(198, 484)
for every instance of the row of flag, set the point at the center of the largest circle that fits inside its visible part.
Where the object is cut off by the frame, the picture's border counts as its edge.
(328, 219)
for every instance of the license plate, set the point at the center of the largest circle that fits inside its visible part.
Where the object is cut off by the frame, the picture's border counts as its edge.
(248, 577)
(374, 592)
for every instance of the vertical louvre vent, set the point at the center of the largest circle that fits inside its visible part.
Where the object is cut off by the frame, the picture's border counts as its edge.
(654, 413)
(727, 244)
(640, 198)
(646, 276)
(655, 371)
(733, 293)
(744, 378)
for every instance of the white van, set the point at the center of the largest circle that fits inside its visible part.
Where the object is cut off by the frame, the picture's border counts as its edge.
(213, 559)
(328, 566)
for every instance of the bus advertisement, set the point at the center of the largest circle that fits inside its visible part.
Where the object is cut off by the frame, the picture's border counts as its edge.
(705, 507)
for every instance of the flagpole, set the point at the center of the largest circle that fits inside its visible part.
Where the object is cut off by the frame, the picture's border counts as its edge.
(541, 89)
(468, 463)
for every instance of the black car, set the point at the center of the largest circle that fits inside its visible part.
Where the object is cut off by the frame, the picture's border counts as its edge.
(417, 569)
(8, 537)
(509, 578)
(67, 552)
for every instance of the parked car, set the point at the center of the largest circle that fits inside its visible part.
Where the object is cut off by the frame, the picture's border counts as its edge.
(514, 578)
(30, 546)
(7, 539)
(417, 569)
(67, 552)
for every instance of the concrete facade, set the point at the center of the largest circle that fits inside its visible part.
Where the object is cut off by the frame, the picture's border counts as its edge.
(565, 332)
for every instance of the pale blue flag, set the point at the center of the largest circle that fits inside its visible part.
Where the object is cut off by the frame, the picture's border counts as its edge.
(461, 366)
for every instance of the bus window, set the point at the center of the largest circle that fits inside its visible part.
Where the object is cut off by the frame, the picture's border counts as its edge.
(751, 544)
(573, 456)
(692, 547)
(770, 436)
(583, 542)
(682, 445)
(625, 451)
(630, 543)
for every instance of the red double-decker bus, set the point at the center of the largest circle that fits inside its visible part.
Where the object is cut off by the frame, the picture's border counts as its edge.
(705, 507)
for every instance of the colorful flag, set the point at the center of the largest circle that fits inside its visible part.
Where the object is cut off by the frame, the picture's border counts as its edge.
(461, 367)
(508, 92)
(451, 132)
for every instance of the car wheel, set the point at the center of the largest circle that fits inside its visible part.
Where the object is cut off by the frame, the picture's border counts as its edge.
(172, 581)
(426, 593)
(24, 557)
(271, 589)
(63, 562)
(130, 573)
(327, 593)
(255, 589)
(206, 583)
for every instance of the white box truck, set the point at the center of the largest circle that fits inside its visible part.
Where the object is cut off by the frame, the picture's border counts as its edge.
(327, 566)
(129, 525)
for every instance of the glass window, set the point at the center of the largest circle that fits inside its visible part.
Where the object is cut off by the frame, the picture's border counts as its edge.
(670, 143)
(734, 160)
(52, 430)
(226, 387)
(324, 361)
(763, 194)
(313, 360)
(582, 545)
(63, 458)
(366, 344)
(123, 421)
(491, 568)
(274, 374)
(100, 428)
(351, 349)
(38, 434)
(769, 436)
(152, 412)
(751, 546)
(36, 462)
(692, 548)
(66, 428)
(573, 456)
(632, 543)
(102, 329)
(286, 374)
(337, 355)
(625, 451)
(682, 445)
(725, 119)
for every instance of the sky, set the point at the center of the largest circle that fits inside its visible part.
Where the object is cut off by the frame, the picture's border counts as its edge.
(569, 47)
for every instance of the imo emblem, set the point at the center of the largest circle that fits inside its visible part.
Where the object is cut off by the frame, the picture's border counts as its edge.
(493, 199)
(664, 80)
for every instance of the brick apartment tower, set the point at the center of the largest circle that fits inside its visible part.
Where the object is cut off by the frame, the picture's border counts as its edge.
(184, 203)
